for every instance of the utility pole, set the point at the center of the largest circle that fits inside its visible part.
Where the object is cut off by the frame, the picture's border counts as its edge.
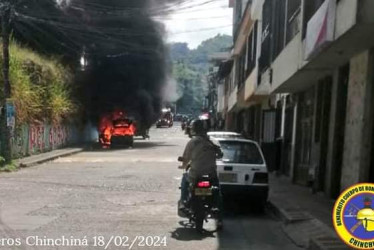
(4, 130)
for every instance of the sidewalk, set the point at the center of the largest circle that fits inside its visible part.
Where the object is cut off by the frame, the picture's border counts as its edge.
(48, 156)
(307, 217)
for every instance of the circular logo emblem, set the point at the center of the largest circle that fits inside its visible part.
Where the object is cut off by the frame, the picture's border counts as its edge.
(353, 216)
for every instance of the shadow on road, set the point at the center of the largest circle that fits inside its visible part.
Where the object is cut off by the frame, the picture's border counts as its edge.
(234, 210)
(187, 233)
(138, 144)
(150, 144)
(243, 226)
(236, 207)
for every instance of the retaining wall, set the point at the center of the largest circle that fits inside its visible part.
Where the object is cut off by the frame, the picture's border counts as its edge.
(34, 139)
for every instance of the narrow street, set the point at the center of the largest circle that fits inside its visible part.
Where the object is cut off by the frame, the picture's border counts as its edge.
(124, 193)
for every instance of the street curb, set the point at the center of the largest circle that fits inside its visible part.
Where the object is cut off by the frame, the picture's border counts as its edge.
(291, 215)
(31, 163)
(304, 230)
(275, 210)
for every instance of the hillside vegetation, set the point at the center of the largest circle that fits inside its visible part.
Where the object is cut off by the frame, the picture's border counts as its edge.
(190, 70)
(40, 87)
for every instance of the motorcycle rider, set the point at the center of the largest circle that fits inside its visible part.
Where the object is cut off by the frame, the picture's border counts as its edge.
(199, 158)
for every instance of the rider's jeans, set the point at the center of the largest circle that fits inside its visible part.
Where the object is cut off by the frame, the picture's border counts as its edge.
(184, 187)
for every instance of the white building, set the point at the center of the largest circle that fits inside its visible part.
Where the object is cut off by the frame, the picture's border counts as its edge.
(303, 73)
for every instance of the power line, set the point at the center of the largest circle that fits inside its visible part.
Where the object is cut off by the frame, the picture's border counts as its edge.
(121, 37)
(200, 30)
(191, 19)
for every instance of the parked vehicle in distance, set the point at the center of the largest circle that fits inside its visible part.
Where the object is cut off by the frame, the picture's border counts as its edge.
(178, 117)
(242, 171)
(166, 119)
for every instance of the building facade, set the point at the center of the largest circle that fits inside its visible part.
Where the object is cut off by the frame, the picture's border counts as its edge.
(301, 84)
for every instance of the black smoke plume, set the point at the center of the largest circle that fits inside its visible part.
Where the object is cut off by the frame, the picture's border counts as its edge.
(127, 64)
(126, 58)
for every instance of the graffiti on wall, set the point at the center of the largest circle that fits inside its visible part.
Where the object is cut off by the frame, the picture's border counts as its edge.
(19, 141)
(58, 136)
(34, 139)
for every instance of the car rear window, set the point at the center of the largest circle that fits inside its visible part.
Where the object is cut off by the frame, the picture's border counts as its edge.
(241, 152)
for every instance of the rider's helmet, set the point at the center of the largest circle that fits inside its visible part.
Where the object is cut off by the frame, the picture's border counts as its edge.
(200, 127)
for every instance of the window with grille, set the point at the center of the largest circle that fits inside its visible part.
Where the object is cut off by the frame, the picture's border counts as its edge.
(251, 50)
(293, 19)
(241, 69)
(238, 16)
(278, 24)
(264, 60)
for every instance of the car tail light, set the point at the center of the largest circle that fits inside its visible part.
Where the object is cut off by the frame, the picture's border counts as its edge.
(261, 178)
(203, 184)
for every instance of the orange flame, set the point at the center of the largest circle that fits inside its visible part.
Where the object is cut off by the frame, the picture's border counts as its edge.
(115, 124)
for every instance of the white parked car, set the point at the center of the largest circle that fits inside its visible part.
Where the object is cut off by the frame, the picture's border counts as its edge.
(224, 134)
(242, 170)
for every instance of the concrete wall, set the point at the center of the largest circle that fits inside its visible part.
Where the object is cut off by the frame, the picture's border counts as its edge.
(256, 10)
(358, 130)
(34, 139)
(233, 98)
(365, 11)
(346, 11)
(244, 30)
(250, 84)
(287, 63)
(263, 88)
(221, 97)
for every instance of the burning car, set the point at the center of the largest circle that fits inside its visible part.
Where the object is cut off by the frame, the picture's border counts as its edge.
(166, 119)
(116, 129)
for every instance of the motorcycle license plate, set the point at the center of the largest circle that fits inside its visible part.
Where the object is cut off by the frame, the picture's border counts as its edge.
(203, 191)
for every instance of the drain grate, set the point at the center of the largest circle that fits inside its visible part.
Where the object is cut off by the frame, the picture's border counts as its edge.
(295, 215)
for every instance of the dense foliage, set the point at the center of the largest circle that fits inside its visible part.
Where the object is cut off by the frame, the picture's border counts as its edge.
(190, 70)
(41, 87)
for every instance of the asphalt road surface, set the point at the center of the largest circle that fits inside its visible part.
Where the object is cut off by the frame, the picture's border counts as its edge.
(120, 199)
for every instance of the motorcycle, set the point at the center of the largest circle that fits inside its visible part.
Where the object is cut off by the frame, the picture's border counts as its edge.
(200, 204)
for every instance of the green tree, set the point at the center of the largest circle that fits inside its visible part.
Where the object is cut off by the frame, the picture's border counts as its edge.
(190, 70)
